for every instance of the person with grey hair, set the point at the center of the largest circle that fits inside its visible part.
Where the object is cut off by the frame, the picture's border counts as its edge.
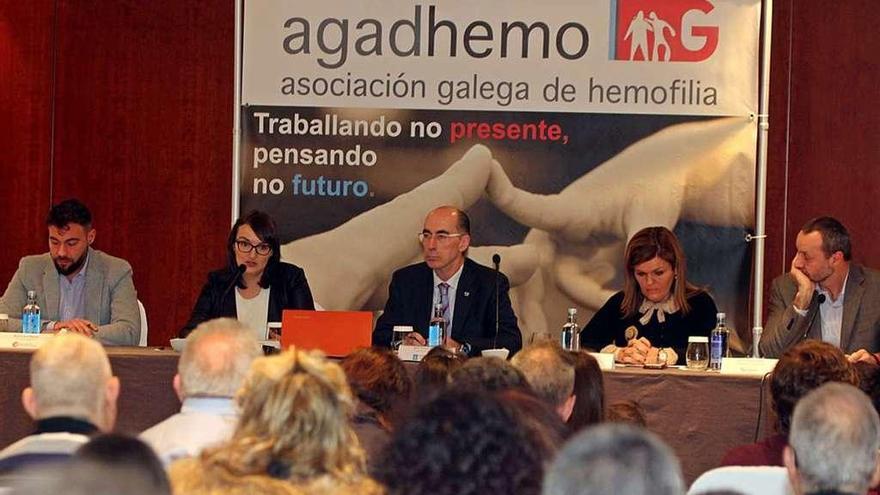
(551, 375)
(833, 444)
(612, 459)
(212, 367)
(72, 395)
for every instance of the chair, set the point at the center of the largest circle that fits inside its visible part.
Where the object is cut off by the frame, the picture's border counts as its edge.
(143, 340)
(747, 480)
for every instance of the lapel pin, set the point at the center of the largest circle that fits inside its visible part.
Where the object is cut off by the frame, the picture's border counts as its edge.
(466, 294)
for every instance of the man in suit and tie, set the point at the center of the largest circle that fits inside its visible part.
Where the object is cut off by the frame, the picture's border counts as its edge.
(79, 289)
(465, 290)
(824, 296)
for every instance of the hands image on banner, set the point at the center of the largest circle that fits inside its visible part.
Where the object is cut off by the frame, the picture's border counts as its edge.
(699, 171)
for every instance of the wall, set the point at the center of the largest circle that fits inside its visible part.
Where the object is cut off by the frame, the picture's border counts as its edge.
(128, 105)
(824, 150)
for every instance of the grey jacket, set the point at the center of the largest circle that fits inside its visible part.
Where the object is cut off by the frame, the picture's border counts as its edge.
(860, 328)
(110, 299)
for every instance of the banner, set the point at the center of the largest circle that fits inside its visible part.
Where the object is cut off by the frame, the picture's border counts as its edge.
(561, 127)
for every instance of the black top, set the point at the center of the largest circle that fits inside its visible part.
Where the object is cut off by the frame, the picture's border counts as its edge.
(65, 424)
(289, 290)
(411, 295)
(608, 326)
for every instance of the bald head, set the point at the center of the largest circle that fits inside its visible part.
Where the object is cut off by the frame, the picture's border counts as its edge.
(70, 376)
(549, 371)
(217, 357)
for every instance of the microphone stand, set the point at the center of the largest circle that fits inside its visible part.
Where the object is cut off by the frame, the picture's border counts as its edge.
(496, 259)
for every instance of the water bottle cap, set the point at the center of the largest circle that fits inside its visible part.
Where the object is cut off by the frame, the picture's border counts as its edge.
(572, 311)
(722, 315)
(32, 293)
(698, 340)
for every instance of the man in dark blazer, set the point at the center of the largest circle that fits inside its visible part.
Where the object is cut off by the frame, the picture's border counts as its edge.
(470, 289)
(824, 296)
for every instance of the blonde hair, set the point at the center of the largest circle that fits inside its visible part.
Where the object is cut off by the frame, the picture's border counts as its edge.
(216, 359)
(294, 423)
(69, 374)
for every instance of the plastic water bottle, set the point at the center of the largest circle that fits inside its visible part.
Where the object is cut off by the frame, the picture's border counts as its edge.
(30, 315)
(570, 337)
(718, 342)
(437, 327)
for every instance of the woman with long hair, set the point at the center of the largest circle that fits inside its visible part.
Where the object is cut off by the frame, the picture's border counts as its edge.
(293, 435)
(651, 319)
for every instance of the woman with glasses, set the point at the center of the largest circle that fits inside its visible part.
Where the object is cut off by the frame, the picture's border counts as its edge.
(256, 286)
(651, 319)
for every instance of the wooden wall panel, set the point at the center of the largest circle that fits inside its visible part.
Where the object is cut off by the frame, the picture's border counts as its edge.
(25, 114)
(144, 119)
(825, 152)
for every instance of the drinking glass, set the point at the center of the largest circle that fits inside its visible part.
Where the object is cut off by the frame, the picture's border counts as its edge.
(400, 332)
(697, 354)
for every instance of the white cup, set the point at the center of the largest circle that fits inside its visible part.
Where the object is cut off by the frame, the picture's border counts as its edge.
(178, 344)
(499, 353)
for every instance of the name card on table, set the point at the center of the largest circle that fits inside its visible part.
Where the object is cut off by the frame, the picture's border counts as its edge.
(23, 340)
(606, 360)
(747, 366)
(412, 352)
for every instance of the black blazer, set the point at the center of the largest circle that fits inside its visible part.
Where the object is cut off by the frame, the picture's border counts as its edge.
(410, 299)
(290, 290)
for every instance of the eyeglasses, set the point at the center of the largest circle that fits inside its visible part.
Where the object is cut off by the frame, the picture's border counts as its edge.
(439, 236)
(243, 246)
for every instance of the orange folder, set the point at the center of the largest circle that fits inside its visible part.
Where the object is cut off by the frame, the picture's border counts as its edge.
(337, 333)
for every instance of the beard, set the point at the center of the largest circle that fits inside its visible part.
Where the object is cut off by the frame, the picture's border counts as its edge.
(73, 267)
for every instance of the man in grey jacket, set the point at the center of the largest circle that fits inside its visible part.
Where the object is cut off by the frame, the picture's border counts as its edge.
(78, 289)
(824, 296)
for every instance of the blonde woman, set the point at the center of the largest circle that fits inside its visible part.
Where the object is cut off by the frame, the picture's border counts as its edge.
(293, 435)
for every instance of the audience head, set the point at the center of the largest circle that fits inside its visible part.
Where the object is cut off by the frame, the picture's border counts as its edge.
(128, 458)
(378, 379)
(462, 443)
(801, 369)
(589, 392)
(655, 270)
(542, 423)
(216, 359)
(869, 381)
(626, 411)
(294, 422)
(432, 374)
(833, 443)
(253, 241)
(70, 235)
(70, 376)
(550, 372)
(488, 373)
(612, 459)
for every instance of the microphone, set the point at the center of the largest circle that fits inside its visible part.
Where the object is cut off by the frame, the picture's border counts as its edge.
(496, 260)
(819, 301)
(238, 271)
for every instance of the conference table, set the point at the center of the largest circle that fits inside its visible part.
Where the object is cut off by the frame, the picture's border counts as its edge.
(699, 414)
